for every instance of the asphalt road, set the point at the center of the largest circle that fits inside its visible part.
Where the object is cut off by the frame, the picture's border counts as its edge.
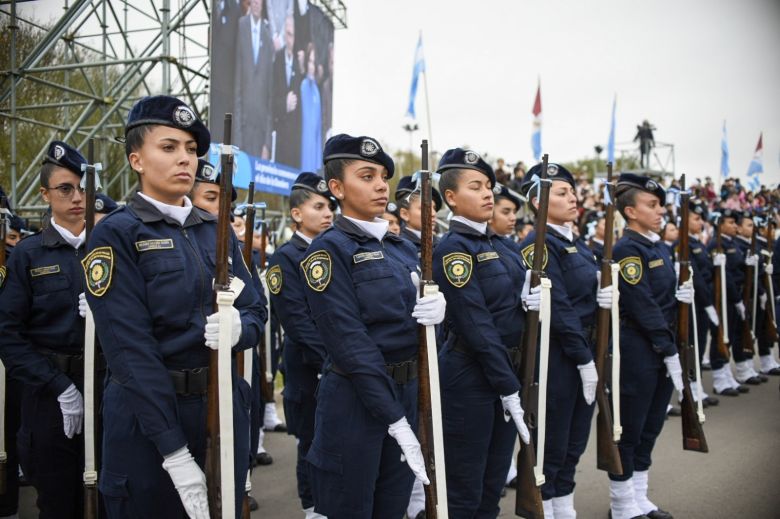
(738, 478)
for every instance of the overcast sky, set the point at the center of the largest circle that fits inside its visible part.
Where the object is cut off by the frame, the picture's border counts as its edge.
(684, 65)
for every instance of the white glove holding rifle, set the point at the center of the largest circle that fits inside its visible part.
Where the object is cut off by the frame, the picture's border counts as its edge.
(603, 295)
(751, 260)
(712, 314)
(189, 481)
(513, 410)
(531, 297)
(212, 329)
(719, 259)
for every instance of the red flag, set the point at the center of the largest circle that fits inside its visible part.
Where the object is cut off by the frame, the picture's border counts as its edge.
(538, 101)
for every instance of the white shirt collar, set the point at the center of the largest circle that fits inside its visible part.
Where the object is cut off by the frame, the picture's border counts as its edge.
(376, 228)
(477, 226)
(73, 240)
(596, 240)
(302, 236)
(746, 240)
(653, 237)
(178, 213)
(565, 230)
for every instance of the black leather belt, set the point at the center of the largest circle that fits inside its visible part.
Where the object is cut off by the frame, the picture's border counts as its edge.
(73, 364)
(401, 372)
(190, 381)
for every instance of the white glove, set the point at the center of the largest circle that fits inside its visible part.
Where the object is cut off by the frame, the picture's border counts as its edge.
(429, 310)
(402, 433)
(769, 269)
(72, 407)
(82, 305)
(531, 298)
(751, 260)
(513, 410)
(189, 481)
(712, 314)
(677, 270)
(684, 293)
(762, 301)
(589, 378)
(741, 310)
(603, 295)
(674, 369)
(212, 329)
(719, 259)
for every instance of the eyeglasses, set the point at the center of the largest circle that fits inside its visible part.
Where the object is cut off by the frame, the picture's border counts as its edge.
(66, 190)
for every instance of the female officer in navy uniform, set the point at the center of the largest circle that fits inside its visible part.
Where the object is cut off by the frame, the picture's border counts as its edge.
(649, 363)
(407, 199)
(485, 317)
(42, 338)
(149, 277)
(311, 209)
(361, 291)
(576, 296)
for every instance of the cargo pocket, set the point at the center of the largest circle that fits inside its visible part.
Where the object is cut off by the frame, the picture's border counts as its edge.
(113, 487)
(327, 480)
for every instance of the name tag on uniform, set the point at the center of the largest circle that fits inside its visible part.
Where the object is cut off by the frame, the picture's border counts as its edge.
(44, 271)
(368, 256)
(655, 263)
(147, 245)
(571, 250)
(485, 256)
(696, 250)
(731, 251)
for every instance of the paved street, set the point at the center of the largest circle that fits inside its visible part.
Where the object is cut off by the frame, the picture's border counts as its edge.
(739, 477)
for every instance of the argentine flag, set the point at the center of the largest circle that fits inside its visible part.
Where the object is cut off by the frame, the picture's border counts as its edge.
(756, 166)
(419, 67)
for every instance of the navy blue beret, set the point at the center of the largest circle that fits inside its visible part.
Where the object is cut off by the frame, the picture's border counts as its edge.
(312, 182)
(343, 146)
(16, 223)
(647, 184)
(503, 192)
(104, 203)
(65, 156)
(697, 206)
(406, 186)
(554, 172)
(206, 172)
(393, 209)
(458, 158)
(169, 111)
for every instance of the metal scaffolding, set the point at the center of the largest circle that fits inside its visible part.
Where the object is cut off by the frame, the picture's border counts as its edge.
(108, 54)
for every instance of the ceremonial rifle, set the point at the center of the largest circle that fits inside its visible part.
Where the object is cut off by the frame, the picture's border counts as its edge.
(528, 501)
(748, 336)
(693, 434)
(719, 295)
(5, 216)
(219, 416)
(91, 404)
(607, 455)
(769, 322)
(429, 398)
(266, 375)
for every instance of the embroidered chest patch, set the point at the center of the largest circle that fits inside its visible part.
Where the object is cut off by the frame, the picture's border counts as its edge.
(631, 269)
(317, 268)
(528, 256)
(274, 279)
(98, 269)
(3, 275)
(457, 267)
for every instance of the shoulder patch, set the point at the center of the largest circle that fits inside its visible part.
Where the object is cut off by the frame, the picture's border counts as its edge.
(485, 256)
(44, 271)
(528, 256)
(98, 269)
(274, 279)
(457, 268)
(367, 256)
(147, 245)
(317, 268)
(631, 269)
(3, 275)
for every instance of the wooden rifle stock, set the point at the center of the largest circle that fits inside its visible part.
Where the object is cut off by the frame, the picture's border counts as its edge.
(770, 326)
(4, 222)
(717, 287)
(91, 499)
(221, 282)
(424, 413)
(266, 387)
(607, 454)
(528, 501)
(748, 336)
(693, 434)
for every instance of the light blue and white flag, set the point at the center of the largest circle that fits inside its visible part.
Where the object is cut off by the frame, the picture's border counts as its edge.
(611, 141)
(419, 67)
(724, 153)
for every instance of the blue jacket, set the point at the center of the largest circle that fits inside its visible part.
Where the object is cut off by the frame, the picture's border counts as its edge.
(481, 278)
(361, 296)
(151, 305)
(647, 287)
(571, 267)
(39, 309)
(735, 267)
(701, 262)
